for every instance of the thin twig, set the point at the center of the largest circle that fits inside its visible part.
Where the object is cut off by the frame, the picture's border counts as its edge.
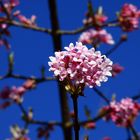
(134, 132)
(49, 31)
(23, 77)
(136, 97)
(116, 46)
(128, 133)
(37, 122)
(95, 119)
(102, 95)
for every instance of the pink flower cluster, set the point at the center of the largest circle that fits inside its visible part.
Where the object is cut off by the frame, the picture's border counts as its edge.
(9, 5)
(15, 94)
(8, 13)
(124, 112)
(96, 19)
(129, 17)
(81, 65)
(99, 19)
(96, 37)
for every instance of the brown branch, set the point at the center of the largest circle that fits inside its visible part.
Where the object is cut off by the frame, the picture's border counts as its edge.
(56, 123)
(117, 45)
(22, 77)
(76, 124)
(136, 97)
(49, 31)
(134, 132)
(95, 119)
(26, 26)
(75, 31)
(36, 122)
(57, 47)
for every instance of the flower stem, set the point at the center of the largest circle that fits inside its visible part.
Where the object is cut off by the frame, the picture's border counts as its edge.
(76, 124)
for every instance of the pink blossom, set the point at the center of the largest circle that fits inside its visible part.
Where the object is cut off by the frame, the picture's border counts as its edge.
(96, 37)
(8, 95)
(129, 17)
(25, 20)
(100, 19)
(9, 5)
(124, 112)
(81, 65)
(90, 125)
(15, 94)
(96, 19)
(29, 84)
(116, 69)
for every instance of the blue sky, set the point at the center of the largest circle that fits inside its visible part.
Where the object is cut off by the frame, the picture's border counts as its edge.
(32, 49)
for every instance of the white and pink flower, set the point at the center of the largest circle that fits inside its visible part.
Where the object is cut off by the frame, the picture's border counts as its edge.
(81, 65)
(123, 113)
(129, 17)
(96, 37)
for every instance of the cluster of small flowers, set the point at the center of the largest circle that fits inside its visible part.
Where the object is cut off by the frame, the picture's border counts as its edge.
(96, 37)
(7, 14)
(81, 65)
(8, 6)
(15, 94)
(122, 113)
(18, 133)
(129, 17)
(96, 19)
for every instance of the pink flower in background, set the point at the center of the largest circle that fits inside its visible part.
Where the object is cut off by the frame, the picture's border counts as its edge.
(81, 65)
(90, 125)
(124, 112)
(27, 21)
(15, 94)
(9, 5)
(100, 18)
(96, 37)
(96, 19)
(129, 17)
(18, 133)
(10, 95)
(7, 11)
(116, 69)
